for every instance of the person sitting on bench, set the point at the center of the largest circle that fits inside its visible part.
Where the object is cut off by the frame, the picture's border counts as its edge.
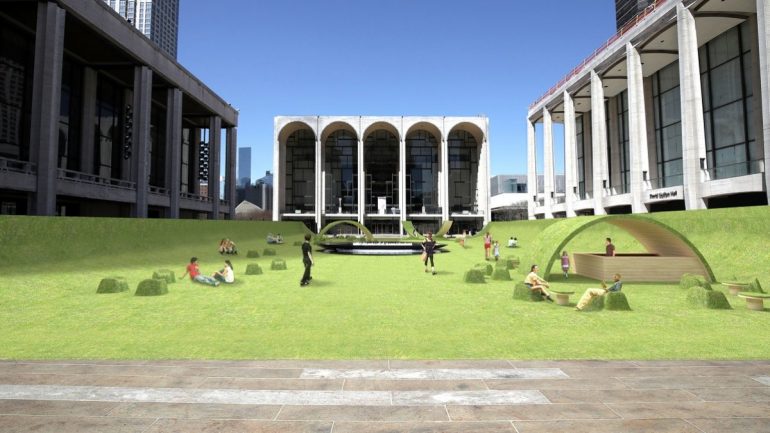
(592, 293)
(537, 284)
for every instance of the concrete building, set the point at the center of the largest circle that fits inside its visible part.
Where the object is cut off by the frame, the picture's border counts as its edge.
(672, 113)
(510, 192)
(156, 19)
(381, 171)
(244, 167)
(95, 120)
(628, 10)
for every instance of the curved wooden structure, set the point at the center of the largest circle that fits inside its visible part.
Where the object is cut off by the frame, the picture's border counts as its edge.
(367, 234)
(669, 254)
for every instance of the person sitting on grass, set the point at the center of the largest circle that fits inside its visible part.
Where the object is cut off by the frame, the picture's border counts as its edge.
(225, 275)
(223, 246)
(231, 249)
(592, 293)
(537, 284)
(195, 274)
(513, 242)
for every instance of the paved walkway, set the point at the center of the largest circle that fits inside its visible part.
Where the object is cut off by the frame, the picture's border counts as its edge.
(385, 396)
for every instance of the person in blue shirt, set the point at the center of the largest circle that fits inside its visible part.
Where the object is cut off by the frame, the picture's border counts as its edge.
(592, 293)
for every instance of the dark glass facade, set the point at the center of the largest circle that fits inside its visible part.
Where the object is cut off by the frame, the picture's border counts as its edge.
(300, 171)
(381, 168)
(16, 63)
(109, 129)
(668, 126)
(463, 171)
(422, 167)
(341, 168)
(70, 113)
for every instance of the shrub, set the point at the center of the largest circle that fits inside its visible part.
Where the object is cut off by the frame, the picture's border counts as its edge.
(755, 287)
(112, 285)
(253, 269)
(268, 252)
(165, 274)
(474, 276)
(700, 297)
(278, 265)
(691, 280)
(597, 304)
(152, 287)
(616, 301)
(511, 262)
(486, 268)
(501, 274)
(252, 254)
(522, 293)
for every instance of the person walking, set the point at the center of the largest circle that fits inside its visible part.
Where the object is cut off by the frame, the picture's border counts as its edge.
(487, 245)
(307, 260)
(428, 248)
(565, 264)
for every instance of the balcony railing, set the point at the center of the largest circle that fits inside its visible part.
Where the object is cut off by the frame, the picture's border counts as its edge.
(469, 209)
(560, 200)
(298, 209)
(579, 68)
(738, 169)
(158, 190)
(17, 166)
(195, 197)
(92, 179)
(389, 210)
(424, 210)
(351, 209)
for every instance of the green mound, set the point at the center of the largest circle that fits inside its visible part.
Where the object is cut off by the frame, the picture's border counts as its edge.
(269, 252)
(165, 274)
(253, 269)
(298, 243)
(501, 274)
(755, 287)
(486, 268)
(511, 262)
(692, 280)
(152, 287)
(278, 265)
(616, 301)
(701, 297)
(597, 304)
(112, 285)
(522, 293)
(474, 276)
(252, 254)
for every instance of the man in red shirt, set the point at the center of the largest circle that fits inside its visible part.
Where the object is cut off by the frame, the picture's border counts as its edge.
(195, 274)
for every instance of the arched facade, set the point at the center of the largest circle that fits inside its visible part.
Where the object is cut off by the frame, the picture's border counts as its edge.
(381, 171)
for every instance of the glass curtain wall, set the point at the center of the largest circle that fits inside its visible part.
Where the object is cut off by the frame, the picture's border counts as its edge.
(381, 168)
(158, 146)
(186, 170)
(109, 139)
(70, 110)
(581, 159)
(726, 68)
(16, 63)
(609, 142)
(463, 171)
(422, 168)
(623, 141)
(668, 126)
(341, 168)
(300, 172)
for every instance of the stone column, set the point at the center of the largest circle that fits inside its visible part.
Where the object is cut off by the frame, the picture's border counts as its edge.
(319, 186)
(361, 181)
(87, 123)
(141, 137)
(763, 27)
(173, 149)
(570, 154)
(278, 186)
(598, 143)
(531, 170)
(693, 130)
(549, 192)
(402, 177)
(231, 137)
(444, 179)
(637, 130)
(215, 138)
(46, 99)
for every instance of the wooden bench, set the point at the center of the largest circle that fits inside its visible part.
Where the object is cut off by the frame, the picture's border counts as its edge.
(754, 301)
(562, 298)
(734, 287)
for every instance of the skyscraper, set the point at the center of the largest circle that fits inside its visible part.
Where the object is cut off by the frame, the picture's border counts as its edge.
(244, 166)
(157, 19)
(627, 9)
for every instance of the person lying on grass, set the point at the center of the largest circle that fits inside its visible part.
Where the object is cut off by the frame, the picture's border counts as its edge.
(537, 284)
(195, 274)
(592, 293)
(226, 274)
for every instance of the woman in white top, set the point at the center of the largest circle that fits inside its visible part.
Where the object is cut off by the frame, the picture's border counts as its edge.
(226, 274)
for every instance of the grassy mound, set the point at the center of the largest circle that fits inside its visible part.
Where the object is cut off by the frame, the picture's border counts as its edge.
(597, 304)
(112, 285)
(501, 274)
(278, 265)
(152, 287)
(616, 301)
(701, 297)
(692, 280)
(253, 269)
(511, 262)
(755, 287)
(522, 293)
(252, 254)
(474, 276)
(269, 252)
(486, 268)
(164, 274)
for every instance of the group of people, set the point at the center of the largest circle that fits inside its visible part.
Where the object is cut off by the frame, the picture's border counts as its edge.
(226, 246)
(225, 275)
(277, 239)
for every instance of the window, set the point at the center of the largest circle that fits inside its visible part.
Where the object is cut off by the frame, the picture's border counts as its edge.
(300, 171)
(341, 167)
(668, 125)
(16, 62)
(581, 159)
(623, 140)
(463, 171)
(108, 131)
(422, 171)
(381, 167)
(70, 109)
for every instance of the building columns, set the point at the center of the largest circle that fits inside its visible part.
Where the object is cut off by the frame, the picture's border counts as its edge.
(598, 143)
(278, 173)
(231, 180)
(531, 170)
(319, 185)
(570, 154)
(549, 192)
(215, 138)
(637, 130)
(444, 179)
(174, 149)
(88, 114)
(46, 99)
(141, 137)
(361, 181)
(402, 178)
(763, 27)
(693, 129)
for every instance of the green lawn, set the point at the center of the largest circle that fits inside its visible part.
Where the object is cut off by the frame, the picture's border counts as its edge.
(356, 307)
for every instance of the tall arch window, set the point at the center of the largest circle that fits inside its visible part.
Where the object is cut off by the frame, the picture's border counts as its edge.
(422, 172)
(463, 171)
(341, 168)
(668, 125)
(381, 168)
(300, 171)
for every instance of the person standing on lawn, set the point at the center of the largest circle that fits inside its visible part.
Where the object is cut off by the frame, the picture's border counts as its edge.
(609, 249)
(428, 248)
(565, 264)
(307, 260)
(487, 245)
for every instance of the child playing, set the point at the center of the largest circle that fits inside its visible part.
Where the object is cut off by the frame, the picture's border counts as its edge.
(565, 264)
(497, 250)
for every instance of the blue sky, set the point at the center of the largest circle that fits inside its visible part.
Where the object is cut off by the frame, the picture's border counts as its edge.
(390, 57)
